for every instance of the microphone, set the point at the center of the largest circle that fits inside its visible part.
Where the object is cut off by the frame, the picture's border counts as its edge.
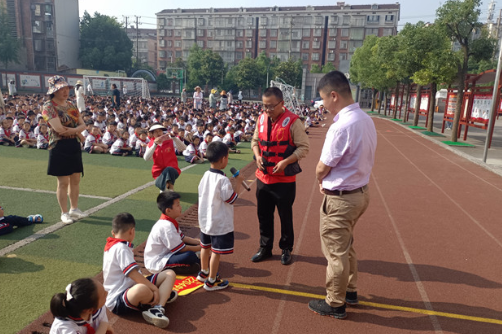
(235, 173)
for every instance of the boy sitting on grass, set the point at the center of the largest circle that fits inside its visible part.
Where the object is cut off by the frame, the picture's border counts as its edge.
(128, 290)
(216, 215)
(167, 247)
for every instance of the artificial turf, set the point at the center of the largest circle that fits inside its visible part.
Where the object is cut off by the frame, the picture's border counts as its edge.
(33, 273)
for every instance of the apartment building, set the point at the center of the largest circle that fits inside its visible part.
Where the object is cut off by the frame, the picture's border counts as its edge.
(144, 43)
(49, 32)
(315, 34)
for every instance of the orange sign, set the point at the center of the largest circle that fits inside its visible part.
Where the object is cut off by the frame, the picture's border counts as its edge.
(186, 285)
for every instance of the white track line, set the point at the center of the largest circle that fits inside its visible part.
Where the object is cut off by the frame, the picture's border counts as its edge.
(51, 192)
(414, 272)
(280, 309)
(89, 212)
(474, 220)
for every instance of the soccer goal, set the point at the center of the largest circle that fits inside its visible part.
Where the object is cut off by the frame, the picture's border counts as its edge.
(289, 95)
(103, 86)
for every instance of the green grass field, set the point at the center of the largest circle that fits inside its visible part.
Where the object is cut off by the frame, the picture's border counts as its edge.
(33, 273)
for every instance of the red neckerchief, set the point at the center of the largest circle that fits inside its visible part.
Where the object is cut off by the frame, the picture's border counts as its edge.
(7, 132)
(46, 137)
(110, 242)
(231, 135)
(172, 220)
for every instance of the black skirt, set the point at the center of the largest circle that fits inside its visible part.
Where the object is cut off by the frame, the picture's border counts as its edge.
(65, 158)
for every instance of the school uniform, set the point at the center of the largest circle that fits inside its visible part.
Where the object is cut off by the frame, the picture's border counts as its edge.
(140, 147)
(118, 147)
(203, 147)
(7, 223)
(164, 245)
(23, 135)
(5, 133)
(90, 142)
(191, 153)
(108, 138)
(100, 125)
(43, 141)
(79, 325)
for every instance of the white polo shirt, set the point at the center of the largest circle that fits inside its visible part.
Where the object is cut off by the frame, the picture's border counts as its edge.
(349, 149)
(118, 262)
(165, 240)
(216, 196)
(66, 325)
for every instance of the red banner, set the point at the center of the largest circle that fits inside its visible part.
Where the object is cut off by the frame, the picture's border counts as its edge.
(186, 285)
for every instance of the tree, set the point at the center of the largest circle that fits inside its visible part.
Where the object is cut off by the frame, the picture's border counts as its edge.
(290, 72)
(315, 68)
(162, 82)
(178, 63)
(9, 45)
(212, 68)
(460, 20)
(104, 45)
(194, 65)
(245, 74)
(363, 65)
(328, 67)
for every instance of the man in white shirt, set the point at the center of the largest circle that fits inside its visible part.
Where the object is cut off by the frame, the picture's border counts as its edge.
(343, 173)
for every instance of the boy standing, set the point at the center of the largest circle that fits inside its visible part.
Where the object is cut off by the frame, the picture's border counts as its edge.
(167, 247)
(216, 216)
(128, 290)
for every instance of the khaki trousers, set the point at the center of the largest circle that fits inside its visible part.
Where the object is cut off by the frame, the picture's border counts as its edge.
(339, 215)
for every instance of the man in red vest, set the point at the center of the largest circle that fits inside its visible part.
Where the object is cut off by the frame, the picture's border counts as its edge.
(279, 141)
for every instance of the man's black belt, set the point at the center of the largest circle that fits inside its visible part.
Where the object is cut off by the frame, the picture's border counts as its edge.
(345, 192)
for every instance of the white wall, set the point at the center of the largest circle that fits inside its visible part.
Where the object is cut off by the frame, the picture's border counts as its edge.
(67, 33)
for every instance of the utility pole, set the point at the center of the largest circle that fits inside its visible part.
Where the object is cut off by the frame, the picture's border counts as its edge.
(125, 27)
(290, 35)
(138, 61)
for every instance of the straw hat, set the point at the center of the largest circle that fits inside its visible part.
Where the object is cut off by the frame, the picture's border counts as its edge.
(79, 82)
(197, 87)
(56, 83)
(157, 126)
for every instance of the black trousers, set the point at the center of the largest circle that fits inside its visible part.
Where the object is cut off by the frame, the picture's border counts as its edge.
(270, 196)
(7, 224)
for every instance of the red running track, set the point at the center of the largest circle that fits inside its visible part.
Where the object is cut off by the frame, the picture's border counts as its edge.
(429, 244)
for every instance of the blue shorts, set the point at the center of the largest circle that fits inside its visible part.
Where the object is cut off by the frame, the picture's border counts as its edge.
(123, 306)
(219, 244)
(89, 149)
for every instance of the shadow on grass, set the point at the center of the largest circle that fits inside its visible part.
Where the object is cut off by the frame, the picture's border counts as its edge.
(15, 265)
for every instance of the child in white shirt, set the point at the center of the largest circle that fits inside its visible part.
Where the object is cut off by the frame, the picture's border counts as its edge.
(43, 137)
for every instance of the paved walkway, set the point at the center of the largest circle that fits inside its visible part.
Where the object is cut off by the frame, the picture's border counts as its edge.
(428, 249)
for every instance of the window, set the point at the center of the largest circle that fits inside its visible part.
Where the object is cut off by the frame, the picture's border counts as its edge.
(305, 44)
(373, 18)
(331, 44)
(284, 33)
(317, 32)
(388, 31)
(315, 56)
(249, 44)
(357, 33)
(333, 32)
(161, 22)
(162, 64)
(200, 44)
(333, 19)
(210, 33)
(177, 44)
(306, 32)
(296, 33)
(230, 21)
(170, 22)
(38, 44)
(169, 44)
(162, 32)
(273, 32)
(238, 55)
(200, 32)
(372, 32)
(188, 34)
(275, 20)
(318, 20)
(316, 44)
(263, 44)
(239, 44)
(283, 46)
(343, 56)
(331, 56)
(239, 33)
(250, 20)
(343, 44)
(162, 54)
(308, 20)
(273, 44)
(178, 22)
(263, 33)
(209, 44)
(295, 46)
(272, 55)
(346, 20)
(162, 43)
(345, 32)
(263, 21)
(37, 27)
(50, 45)
(248, 54)
(389, 18)
(178, 54)
(249, 33)
(185, 54)
(305, 56)
(200, 22)
(169, 32)
(353, 45)
(210, 22)
(177, 33)
(37, 10)
(298, 20)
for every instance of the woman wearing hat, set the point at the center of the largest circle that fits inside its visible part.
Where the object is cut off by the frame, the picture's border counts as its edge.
(165, 168)
(79, 93)
(223, 100)
(197, 98)
(212, 99)
(65, 154)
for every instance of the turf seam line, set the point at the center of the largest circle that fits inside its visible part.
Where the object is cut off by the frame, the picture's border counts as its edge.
(59, 225)
(52, 192)
(409, 261)
(371, 304)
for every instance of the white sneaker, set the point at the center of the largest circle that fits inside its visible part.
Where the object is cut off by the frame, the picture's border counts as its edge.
(156, 317)
(77, 214)
(66, 219)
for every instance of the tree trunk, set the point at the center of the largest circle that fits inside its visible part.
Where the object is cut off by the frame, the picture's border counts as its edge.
(372, 99)
(395, 101)
(379, 101)
(385, 105)
(417, 106)
(432, 108)
(460, 99)
(407, 100)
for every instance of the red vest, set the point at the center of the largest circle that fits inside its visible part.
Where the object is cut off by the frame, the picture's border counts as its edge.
(276, 146)
(164, 156)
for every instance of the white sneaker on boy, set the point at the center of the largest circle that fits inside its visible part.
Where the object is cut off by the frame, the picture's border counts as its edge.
(156, 317)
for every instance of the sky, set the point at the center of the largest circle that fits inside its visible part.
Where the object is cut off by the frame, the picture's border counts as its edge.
(411, 10)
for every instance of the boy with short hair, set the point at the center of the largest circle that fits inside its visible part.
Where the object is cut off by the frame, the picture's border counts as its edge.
(216, 216)
(43, 137)
(7, 136)
(167, 247)
(128, 290)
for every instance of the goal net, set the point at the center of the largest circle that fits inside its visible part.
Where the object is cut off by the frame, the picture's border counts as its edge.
(289, 95)
(137, 87)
